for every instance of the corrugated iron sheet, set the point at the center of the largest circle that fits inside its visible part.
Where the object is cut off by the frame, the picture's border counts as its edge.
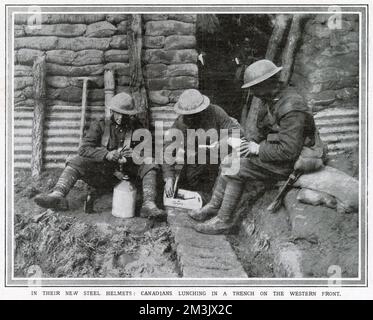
(339, 129)
(61, 134)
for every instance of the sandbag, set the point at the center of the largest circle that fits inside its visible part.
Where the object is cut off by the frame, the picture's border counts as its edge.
(27, 56)
(119, 42)
(60, 30)
(75, 58)
(101, 29)
(22, 71)
(334, 182)
(170, 56)
(73, 71)
(115, 55)
(316, 198)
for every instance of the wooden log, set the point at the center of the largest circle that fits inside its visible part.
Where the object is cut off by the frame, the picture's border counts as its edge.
(109, 84)
(137, 85)
(279, 28)
(288, 53)
(40, 94)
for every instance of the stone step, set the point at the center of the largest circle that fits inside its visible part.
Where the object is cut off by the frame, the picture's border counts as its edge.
(201, 255)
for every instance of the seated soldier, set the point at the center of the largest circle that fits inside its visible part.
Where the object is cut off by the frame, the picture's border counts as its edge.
(285, 125)
(99, 156)
(196, 112)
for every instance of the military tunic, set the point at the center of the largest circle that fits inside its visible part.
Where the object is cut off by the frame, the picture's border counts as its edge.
(201, 177)
(283, 129)
(104, 136)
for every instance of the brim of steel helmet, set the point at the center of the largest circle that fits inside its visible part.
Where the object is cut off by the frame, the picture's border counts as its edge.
(203, 106)
(262, 78)
(129, 112)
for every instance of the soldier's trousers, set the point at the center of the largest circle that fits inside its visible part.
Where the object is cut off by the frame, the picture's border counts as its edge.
(254, 169)
(200, 178)
(100, 175)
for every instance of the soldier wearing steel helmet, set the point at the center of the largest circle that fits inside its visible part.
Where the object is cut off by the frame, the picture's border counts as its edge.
(98, 157)
(196, 112)
(285, 124)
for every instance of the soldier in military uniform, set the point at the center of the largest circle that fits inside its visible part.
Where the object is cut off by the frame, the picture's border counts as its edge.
(97, 162)
(196, 112)
(285, 124)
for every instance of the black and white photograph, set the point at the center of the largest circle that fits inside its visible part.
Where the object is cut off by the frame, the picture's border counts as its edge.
(179, 150)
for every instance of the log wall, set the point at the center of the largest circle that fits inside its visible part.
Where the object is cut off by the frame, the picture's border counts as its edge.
(79, 45)
(326, 71)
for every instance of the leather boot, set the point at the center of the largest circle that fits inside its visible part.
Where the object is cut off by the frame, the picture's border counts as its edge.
(56, 199)
(223, 222)
(149, 208)
(211, 208)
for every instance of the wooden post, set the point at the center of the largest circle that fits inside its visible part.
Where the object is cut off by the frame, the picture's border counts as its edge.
(291, 44)
(279, 28)
(137, 83)
(40, 94)
(273, 44)
(109, 83)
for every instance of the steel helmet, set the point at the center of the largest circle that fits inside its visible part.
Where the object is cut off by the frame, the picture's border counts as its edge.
(259, 71)
(122, 103)
(191, 101)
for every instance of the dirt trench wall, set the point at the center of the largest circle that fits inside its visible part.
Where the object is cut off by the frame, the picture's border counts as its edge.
(77, 45)
(326, 72)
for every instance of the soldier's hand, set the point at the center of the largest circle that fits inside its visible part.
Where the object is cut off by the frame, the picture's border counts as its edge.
(249, 148)
(113, 155)
(169, 187)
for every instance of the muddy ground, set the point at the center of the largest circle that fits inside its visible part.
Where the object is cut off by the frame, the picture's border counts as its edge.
(76, 244)
(274, 245)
